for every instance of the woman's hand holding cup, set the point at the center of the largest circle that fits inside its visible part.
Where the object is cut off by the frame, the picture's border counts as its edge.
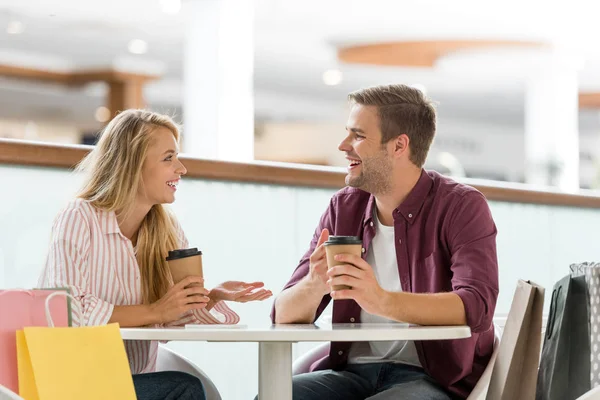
(188, 294)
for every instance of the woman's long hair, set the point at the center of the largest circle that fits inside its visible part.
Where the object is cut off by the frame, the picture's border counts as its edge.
(114, 174)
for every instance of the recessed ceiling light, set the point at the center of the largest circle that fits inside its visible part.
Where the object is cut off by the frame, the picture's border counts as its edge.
(138, 46)
(15, 27)
(102, 114)
(170, 6)
(332, 77)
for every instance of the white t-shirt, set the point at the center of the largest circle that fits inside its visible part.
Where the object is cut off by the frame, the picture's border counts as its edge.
(382, 258)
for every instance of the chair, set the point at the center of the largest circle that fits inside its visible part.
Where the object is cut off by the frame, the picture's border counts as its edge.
(303, 363)
(168, 360)
(7, 394)
(480, 390)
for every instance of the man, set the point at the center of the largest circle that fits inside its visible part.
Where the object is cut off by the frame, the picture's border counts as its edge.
(429, 258)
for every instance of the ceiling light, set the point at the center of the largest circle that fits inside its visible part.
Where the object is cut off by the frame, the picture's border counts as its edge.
(138, 46)
(332, 77)
(170, 6)
(102, 114)
(15, 27)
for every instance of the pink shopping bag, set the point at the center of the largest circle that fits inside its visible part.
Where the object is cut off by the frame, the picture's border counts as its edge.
(19, 309)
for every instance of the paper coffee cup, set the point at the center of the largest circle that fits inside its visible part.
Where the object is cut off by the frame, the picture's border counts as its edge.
(184, 263)
(341, 245)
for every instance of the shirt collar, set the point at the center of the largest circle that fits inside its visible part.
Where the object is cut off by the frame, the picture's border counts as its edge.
(108, 222)
(371, 206)
(411, 206)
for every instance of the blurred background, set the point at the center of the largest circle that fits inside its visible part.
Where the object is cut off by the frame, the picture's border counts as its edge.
(268, 79)
(516, 85)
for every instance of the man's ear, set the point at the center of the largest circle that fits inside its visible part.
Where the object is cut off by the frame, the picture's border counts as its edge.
(401, 144)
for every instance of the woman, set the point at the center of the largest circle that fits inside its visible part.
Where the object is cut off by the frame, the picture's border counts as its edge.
(110, 244)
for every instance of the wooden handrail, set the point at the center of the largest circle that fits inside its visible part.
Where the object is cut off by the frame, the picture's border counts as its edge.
(72, 77)
(19, 152)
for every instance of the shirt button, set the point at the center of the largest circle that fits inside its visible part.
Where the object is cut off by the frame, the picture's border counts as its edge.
(340, 353)
(409, 215)
(400, 241)
(363, 250)
(371, 224)
(352, 320)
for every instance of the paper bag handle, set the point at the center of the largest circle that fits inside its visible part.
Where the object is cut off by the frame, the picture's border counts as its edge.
(61, 293)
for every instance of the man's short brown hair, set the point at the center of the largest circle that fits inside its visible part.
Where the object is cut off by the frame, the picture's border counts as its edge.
(402, 110)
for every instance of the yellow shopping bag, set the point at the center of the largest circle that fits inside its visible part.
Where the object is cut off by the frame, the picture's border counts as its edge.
(73, 363)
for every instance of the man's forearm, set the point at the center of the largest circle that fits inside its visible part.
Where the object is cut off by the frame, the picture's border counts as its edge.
(298, 304)
(424, 308)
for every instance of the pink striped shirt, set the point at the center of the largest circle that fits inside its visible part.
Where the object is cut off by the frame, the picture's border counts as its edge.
(89, 254)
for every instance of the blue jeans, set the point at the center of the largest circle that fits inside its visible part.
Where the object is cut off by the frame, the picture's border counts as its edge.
(378, 381)
(169, 385)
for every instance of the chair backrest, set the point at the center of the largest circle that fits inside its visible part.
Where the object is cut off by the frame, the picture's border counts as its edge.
(168, 360)
(303, 363)
(479, 392)
(515, 369)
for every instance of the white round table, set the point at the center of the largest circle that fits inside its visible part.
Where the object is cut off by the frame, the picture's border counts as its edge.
(275, 343)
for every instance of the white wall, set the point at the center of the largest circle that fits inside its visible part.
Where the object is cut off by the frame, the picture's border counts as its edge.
(44, 131)
(486, 149)
(300, 142)
(255, 231)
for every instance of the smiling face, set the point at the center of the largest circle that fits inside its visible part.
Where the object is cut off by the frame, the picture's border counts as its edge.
(370, 161)
(162, 170)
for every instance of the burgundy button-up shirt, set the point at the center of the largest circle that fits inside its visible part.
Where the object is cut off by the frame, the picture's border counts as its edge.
(445, 241)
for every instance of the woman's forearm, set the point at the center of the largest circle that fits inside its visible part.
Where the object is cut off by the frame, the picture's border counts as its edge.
(134, 316)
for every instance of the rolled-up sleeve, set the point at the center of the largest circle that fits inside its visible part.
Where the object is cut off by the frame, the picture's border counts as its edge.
(472, 243)
(66, 267)
(219, 314)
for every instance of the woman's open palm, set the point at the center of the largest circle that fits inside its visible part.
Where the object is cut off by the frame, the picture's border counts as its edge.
(240, 292)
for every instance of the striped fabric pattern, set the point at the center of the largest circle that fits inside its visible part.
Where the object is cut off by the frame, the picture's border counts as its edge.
(89, 254)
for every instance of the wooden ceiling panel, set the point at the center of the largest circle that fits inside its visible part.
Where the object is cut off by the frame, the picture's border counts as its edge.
(418, 53)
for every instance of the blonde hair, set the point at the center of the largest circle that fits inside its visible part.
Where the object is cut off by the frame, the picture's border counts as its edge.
(114, 174)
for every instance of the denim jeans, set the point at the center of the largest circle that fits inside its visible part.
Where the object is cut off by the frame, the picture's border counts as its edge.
(169, 385)
(378, 381)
